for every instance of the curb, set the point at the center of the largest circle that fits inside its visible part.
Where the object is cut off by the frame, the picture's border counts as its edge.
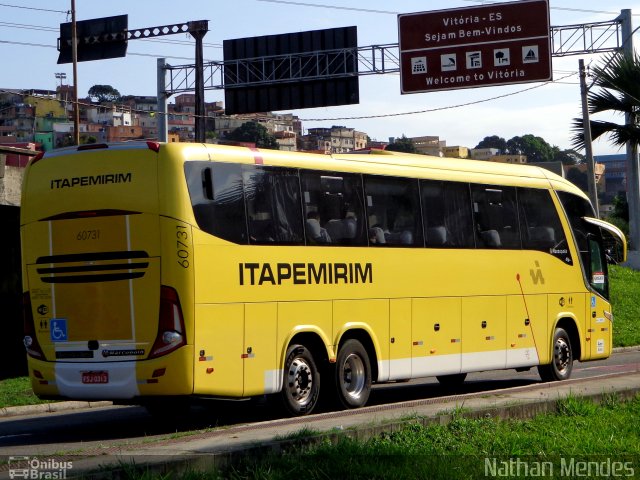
(63, 406)
(635, 348)
(49, 408)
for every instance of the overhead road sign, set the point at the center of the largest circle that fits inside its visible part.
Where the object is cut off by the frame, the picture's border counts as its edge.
(316, 68)
(98, 39)
(488, 45)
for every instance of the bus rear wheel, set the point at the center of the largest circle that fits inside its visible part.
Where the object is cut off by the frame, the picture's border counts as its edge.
(353, 375)
(301, 381)
(562, 363)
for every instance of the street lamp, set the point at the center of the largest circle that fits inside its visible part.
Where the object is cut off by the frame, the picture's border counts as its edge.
(61, 76)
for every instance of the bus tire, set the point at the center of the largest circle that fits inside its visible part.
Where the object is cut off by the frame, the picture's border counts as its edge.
(301, 387)
(352, 375)
(453, 380)
(562, 361)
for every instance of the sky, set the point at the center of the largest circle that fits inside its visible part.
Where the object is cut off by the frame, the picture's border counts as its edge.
(29, 30)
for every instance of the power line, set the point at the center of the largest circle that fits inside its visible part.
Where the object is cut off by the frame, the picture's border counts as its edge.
(436, 109)
(387, 12)
(66, 12)
(25, 26)
(154, 55)
(333, 7)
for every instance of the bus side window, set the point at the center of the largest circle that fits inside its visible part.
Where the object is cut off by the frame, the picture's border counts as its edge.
(576, 207)
(446, 212)
(495, 217)
(540, 224)
(393, 211)
(216, 195)
(273, 205)
(598, 269)
(333, 208)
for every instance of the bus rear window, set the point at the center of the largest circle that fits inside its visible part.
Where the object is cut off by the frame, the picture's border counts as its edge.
(217, 198)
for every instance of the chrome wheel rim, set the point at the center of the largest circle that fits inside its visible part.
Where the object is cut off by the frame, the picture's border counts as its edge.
(562, 355)
(353, 376)
(300, 381)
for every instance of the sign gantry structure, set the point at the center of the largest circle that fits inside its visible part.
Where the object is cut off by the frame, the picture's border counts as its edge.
(587, 38)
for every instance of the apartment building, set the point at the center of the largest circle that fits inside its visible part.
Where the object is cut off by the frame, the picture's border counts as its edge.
(337, 139)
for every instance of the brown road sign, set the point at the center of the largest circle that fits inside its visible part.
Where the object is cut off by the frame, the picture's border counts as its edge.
(496, 44)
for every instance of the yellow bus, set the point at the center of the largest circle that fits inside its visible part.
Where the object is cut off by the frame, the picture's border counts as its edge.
(188, 270)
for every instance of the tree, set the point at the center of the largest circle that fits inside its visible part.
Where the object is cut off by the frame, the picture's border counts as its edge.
(620, 207)
(256, 133)
(567, 157)
(493, 141)
(619, 82)
(578, 178)
(402, 144)
(535, 148)
(104, 93)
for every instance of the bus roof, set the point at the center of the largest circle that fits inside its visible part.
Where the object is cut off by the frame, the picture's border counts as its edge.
(381, 162)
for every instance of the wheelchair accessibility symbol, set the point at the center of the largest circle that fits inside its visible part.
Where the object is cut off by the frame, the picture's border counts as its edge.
(58, 329)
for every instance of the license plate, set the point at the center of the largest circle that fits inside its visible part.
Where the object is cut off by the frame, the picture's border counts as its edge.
(95, 377)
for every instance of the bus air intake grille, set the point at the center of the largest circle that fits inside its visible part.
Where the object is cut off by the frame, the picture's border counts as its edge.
(92, 267)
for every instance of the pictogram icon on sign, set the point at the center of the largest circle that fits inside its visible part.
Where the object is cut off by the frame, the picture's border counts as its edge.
(448, 62)
(474, 59)
(419, 65)
(501, 57)
(530, 54)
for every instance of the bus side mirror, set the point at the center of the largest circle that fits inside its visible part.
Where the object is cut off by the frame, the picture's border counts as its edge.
(613, 240)
(613, 249)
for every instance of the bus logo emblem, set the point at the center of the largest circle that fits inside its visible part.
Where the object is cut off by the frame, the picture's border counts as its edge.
(536, 275)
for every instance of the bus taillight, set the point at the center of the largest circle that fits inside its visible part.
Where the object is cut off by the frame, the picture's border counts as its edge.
(171, 331)
(30, 339)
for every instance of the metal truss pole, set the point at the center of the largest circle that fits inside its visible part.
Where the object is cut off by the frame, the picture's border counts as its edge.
(162, 122)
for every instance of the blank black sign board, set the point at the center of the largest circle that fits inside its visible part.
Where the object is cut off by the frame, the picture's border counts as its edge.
(98, 39)
(296, 82)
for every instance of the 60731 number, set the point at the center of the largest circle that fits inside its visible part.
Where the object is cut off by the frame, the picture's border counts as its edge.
(182, 246)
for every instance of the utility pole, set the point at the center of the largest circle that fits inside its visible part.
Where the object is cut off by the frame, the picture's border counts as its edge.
(586, 125)
(198, 29)
(74, 55)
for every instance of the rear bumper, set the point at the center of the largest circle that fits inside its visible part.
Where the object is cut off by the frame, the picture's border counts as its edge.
(168, 375)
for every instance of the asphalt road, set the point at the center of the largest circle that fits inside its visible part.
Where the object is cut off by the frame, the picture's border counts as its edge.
(108, 429)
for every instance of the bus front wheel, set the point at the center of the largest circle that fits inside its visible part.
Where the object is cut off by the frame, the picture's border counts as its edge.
(353, 375)
(301, 381)
(562, 362)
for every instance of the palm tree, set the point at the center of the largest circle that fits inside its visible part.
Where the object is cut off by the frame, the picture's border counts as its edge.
(619, 82)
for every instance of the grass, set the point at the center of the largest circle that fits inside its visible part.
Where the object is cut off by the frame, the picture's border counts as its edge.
(580, 431)
(17, 391)
(625, 292)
